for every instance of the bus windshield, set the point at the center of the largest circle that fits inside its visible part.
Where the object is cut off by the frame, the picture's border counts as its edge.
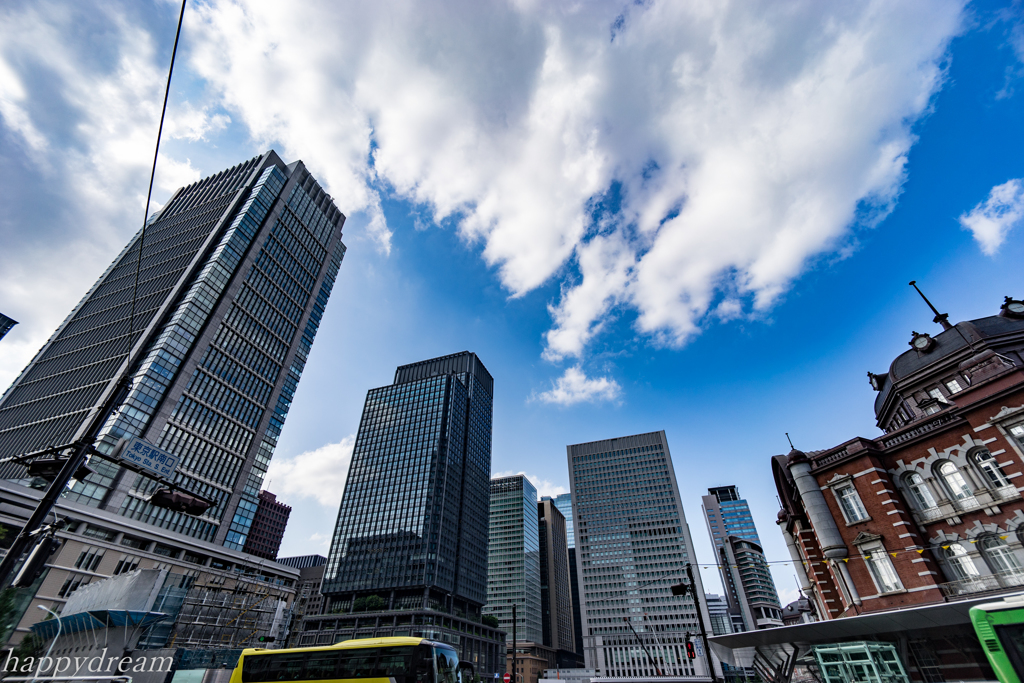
(405, 664)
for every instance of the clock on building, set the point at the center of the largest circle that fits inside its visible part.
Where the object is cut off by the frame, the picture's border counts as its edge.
(922, 342)
(1012, 308)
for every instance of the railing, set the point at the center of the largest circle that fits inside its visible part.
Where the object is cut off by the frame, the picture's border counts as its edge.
(990, 583)
(917, 431)
(931, 514)
(1008, 492)
(831, 457)
(968, 504)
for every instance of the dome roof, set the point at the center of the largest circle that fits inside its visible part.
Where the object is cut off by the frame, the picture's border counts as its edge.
(796, 456)
(947, 343)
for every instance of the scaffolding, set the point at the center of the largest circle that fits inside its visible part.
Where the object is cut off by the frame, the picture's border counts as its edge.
(233, 612)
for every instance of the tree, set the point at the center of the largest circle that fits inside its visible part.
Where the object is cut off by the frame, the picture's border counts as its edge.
(7, 611)
(30, 646)
(490, 620)
(369, 603)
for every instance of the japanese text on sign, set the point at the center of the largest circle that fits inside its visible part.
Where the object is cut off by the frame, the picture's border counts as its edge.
(150, 457)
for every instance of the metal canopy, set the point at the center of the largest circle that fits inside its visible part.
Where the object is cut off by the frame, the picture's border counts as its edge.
(95, 619)
(785, 639)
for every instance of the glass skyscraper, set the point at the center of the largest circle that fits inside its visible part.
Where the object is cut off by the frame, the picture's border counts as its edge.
(563, 502)
(235, 273)
(513, 559)
(728, 515)
(555, 586)
(6, 324)
(633, 543)
(410, 543)
(746, 578)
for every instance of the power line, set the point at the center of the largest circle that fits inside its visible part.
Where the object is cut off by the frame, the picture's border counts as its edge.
(152, 176)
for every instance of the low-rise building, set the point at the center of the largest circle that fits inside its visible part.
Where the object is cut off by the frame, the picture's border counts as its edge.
(97, 544)
(531, 660)
(309, 601)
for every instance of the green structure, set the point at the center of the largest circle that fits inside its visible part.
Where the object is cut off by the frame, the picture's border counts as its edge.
(863, 661)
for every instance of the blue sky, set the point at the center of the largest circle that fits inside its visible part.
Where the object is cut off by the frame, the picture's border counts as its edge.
(696, 217)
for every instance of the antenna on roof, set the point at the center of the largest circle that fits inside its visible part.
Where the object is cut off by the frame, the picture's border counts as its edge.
(791, 446)
(940, 318)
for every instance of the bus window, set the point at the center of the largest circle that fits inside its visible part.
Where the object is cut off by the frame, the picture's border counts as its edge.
(357, 663)
(321, 666)
(400, 663)
(1011, 636)
(447, 665)
(284, 667)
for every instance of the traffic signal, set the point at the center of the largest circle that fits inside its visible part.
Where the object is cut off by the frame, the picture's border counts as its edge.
(49, 468)
(179, 501)
(35, 563)
(680, 589)
(690, 651)
(266, 639)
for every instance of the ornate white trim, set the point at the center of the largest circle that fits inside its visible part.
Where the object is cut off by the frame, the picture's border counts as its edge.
(1006, 413)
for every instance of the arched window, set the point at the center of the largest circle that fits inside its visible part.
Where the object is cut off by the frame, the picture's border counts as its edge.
(1000, 557)
(961, 563)
(919, 490)
(987, 464)
(955, 481)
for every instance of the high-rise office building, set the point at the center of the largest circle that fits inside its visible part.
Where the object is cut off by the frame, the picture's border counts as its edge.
(513, 558)
(633, 544)
(234, 276)
(564, 504)
(727, 514)
(267, 527)
(746, 578)
(6, 324)
(409, 552)
(555, 586)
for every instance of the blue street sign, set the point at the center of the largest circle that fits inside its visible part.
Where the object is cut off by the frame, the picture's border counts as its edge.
(148, 456)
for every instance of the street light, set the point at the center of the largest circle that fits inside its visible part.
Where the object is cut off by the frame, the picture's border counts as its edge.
(52, 642)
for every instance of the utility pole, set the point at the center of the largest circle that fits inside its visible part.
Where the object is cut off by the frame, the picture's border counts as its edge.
(700, 622)
(82, 447)
(515, 675)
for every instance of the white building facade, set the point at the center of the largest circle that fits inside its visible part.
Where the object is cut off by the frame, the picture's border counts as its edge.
(633, 543)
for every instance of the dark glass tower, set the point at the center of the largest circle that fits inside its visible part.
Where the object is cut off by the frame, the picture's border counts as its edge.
(235, 274)
(414, 513)
(6, 324)
(410, 543)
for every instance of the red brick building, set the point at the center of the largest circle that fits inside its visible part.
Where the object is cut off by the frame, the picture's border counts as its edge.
(931, 511)
(267, 528)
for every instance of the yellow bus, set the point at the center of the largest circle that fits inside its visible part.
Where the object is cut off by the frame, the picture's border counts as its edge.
(378, 660)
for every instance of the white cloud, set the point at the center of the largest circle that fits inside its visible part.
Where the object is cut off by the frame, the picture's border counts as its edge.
(739, 140)
(746, 139)
(992, 219)
(189, 123)
(83, 116)
(575, 387)
(321, 540)
(788, 595)
(319, 474)
(544, 487)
